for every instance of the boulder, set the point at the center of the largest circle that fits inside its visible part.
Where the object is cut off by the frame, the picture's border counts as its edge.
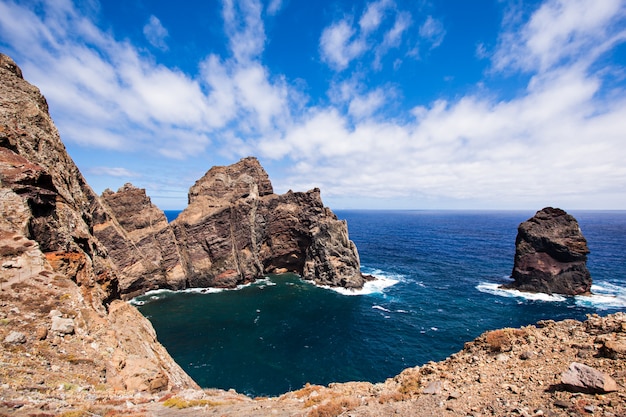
(583, 378)
(551, 255)
(15, 338)
(62, 326)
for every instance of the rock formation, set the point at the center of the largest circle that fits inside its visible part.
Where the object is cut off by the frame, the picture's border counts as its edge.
(551, 255)
(58, 286)
(156, 261)
(234, 230)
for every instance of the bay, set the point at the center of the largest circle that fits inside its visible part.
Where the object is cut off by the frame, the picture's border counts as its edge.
(445, 266)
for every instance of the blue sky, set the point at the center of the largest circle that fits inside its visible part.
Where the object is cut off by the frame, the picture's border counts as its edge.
(381, 104)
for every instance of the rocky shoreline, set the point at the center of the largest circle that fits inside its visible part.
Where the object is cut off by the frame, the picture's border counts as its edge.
(72, 347)
(503, 372)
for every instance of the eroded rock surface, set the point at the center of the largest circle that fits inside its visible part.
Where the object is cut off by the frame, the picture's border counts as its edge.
(234, 230)
(156, 263)
(551, 255)
(52, 262)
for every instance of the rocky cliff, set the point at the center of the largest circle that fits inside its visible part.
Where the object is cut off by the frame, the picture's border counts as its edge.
(69, 346)
(59, 289)
(234, 230)
(551, 255)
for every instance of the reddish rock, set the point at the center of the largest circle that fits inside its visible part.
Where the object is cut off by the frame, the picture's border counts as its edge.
(551, 255)
(583, 378)
(236, 229)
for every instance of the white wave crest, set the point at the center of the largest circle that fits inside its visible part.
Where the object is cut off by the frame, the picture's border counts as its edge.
(495, 289)
(370, 287)
(604, 295)
(381, 308)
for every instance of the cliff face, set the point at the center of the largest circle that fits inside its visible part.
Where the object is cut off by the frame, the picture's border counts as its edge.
(234, 230)
(154, 261)
(59, 287)
(551, 255)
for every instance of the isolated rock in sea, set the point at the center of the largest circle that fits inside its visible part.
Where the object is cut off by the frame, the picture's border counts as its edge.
(157, 262)
(52, 260)
(236, 229)
(551, 255)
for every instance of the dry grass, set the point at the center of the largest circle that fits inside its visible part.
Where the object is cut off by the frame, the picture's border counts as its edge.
(503, 339)
(307, 390)
(334, 407)
(180, 403)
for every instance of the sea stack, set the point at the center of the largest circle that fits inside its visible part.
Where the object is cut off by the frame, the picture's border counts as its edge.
(236, 229)
(551, 255)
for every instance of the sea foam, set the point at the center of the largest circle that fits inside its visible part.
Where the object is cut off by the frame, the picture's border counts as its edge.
(604, 295)
(374, 286)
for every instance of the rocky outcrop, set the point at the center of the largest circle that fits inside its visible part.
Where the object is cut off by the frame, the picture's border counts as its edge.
(156, 261)
(551, 255)
(58, 286)
(236, 229)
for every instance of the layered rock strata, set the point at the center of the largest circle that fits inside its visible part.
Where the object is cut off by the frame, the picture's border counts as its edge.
(551, 255)
(235, 229)
(156, 261)
(53, 262)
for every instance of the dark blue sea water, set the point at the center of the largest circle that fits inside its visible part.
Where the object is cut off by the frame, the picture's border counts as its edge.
(445, 267)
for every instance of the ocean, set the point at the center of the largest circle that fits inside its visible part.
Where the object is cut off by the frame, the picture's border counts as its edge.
(439, 273)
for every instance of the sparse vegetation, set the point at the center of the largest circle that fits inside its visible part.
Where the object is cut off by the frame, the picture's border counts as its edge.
(502, 339)
(334, 407)
(180, 403)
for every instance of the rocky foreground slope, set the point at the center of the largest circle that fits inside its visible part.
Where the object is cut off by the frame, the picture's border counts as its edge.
(70, 347)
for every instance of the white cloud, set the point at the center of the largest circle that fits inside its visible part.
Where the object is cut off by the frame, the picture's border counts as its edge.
(365, 106)
(559, 142)
(343, 42)
(274, 7)
(373, 15)
(155, 33)
(113, 172)
(339, 45)
(562, 32)
(244, 28)
(433, 31)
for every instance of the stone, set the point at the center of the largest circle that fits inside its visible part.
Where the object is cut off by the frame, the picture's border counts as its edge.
(62, 326)
(433, 388)
(15, 338)
(613, 349)
(583, 378)
(551, 255)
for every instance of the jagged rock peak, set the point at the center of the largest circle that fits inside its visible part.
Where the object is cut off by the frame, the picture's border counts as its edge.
(551, 255)
(223, 184)
(10, 65)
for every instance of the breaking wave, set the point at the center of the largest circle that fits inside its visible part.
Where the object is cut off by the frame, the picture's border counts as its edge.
(604, 295)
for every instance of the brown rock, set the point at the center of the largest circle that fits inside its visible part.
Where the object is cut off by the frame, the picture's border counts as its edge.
(583, 378)
(52, 261)
(614, 349)
(156, 263)
(236, 229)
(551, 255)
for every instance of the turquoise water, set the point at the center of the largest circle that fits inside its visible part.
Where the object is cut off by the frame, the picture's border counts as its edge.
(445, 267)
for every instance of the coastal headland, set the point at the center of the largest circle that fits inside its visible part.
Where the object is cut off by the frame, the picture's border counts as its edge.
(72, 347)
